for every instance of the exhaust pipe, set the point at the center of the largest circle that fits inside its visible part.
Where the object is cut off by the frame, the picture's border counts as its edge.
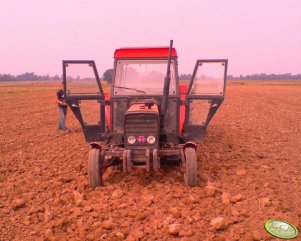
(166, 84)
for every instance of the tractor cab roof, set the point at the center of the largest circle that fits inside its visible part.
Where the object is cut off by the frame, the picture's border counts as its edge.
(147, 52)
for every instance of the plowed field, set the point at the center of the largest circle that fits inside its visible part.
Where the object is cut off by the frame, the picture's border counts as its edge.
(248, 166)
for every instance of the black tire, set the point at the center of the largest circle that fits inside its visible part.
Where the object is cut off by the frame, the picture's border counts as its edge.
(191, 166)
(95, 168)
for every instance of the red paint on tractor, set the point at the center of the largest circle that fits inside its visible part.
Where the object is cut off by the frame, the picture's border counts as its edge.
(183, 91)
(108, 111)
(159, 52)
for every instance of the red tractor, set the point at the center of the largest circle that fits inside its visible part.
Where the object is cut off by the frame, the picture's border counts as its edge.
(148, 116)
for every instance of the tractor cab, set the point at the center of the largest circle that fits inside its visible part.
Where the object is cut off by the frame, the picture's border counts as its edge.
(139, 75)
(148, 117)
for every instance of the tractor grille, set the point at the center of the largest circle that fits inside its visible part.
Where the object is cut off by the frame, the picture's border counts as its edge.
(141, 124)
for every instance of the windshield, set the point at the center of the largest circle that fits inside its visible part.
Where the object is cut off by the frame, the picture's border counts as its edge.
(140, 77)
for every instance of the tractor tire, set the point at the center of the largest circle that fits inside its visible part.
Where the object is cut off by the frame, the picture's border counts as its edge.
(191, 162)
(95, 168)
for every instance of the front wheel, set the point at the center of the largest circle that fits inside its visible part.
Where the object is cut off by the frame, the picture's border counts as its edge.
(95, 168)
(190, 173)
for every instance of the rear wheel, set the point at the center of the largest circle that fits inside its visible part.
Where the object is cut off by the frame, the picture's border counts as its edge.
(95, 168)
(190, 173)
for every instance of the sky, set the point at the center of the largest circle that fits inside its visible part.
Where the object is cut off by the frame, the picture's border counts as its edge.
(256, 36)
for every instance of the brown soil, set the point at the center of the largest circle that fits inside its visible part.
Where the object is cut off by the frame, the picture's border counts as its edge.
(249, 172)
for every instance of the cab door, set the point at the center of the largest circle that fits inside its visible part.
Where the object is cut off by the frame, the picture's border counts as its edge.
(205, 94)
(85, 97)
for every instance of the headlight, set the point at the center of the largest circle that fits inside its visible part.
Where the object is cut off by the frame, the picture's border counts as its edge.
(131, 139)
(151, 139)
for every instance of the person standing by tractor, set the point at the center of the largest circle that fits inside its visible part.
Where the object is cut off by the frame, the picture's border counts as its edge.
(62, 108)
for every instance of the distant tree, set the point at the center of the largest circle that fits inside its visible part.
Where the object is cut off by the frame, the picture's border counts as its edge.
(56, 77)
(26, 76)
(185, 76)
(108, 75)
(7, 77)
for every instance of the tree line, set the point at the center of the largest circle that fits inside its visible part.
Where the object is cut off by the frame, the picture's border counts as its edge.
(31, 76)
(262, 76)
(27, 76)
(107, 75)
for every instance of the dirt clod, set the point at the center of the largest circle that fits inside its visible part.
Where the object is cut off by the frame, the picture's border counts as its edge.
(225, 198)
(217, 223)
(264, 202)
(175, 212)
(256, 236)
(210, 190)
(119, 235)
(186, 231)
(107, 224)
(17, 203)
(117, 194)
(241, 172)
(174, 229)
(237, 198)
(135, 235)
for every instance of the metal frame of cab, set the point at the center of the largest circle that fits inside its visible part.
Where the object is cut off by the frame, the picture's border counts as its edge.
(197, 132)
(92, 132)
